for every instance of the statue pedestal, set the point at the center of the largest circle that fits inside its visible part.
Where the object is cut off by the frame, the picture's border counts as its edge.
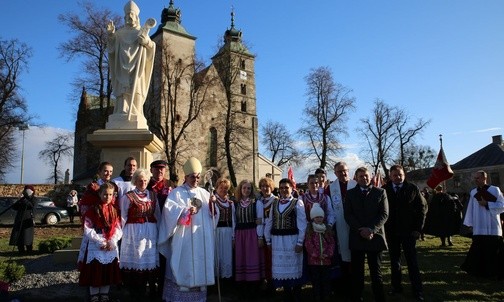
(121, 121)
(119, 144)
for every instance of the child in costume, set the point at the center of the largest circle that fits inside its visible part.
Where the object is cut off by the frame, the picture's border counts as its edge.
(99, 256)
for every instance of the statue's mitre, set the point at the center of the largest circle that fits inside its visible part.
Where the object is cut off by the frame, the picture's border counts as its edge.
(131, 7)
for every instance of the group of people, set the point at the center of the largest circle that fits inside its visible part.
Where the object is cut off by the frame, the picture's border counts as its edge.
(142, 231)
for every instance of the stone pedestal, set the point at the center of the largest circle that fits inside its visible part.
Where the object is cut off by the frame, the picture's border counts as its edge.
(123, 121)
(119, 144)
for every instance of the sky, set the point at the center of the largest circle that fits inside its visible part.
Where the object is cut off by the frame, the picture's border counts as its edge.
(439, 60)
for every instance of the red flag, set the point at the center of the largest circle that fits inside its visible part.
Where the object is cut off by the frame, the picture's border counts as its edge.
(290, 175)
(441, 170)
(376, 180)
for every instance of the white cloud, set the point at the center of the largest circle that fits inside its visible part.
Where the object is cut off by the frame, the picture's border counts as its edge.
(35, 171)
(486, 130)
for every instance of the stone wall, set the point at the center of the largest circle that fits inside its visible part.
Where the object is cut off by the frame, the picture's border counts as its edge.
(57, 193)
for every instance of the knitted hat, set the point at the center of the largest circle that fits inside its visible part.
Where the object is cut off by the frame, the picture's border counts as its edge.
(316, 211)
(29, 190)
(192, 166)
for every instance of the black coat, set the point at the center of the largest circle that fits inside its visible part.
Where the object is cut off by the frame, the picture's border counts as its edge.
(444, 217)
(23, 229)
(407, 210)
(369, 211)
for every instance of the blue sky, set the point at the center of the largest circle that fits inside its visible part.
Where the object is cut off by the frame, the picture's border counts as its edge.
(439, 60)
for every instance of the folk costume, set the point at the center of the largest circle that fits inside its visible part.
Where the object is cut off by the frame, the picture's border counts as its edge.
(99, 267)
(91, 196)
(188, 241)
(225, 236)
(285, 228)
(484, 258)
(319, 245)
(139, 253)
(267, 201)
(309, 200)
(247, 232)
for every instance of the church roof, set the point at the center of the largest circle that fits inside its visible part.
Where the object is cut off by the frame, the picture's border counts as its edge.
(490, 155)
(233, 40)
(171, 21)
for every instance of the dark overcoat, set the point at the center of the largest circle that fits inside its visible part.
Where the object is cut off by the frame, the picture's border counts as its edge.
(23, 229)
(370, 211)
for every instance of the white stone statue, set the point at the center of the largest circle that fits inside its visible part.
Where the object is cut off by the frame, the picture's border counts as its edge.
(131, 59)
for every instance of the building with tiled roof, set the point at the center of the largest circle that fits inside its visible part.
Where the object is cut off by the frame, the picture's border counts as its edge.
(489, 159)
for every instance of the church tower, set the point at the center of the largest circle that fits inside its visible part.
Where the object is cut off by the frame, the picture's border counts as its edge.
(235, 66)
(204, 111)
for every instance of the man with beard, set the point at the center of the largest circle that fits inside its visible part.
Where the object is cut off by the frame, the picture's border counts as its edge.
(123, 182)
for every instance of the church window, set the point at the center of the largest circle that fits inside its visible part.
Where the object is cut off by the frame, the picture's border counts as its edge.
(243, 89)
(244, 105)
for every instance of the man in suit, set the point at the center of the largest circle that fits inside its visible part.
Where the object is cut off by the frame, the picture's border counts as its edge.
(366, 211)
(404, 226)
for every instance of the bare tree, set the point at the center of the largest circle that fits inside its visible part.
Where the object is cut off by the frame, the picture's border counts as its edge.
(325, 113)
(419, 157)
(406, 132)
(14, 56)
(61, 146)
(281, 146)
(90, 39)
(388, 134)
(379, 131)
(184, 90)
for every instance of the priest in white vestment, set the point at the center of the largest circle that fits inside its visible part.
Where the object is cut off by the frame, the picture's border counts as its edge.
(187, 238)
(485, 205)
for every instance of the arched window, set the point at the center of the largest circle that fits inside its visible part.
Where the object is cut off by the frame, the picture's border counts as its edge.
(243, 89)
(242, 64)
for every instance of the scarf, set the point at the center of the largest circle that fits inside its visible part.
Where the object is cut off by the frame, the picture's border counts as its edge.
(318, 228)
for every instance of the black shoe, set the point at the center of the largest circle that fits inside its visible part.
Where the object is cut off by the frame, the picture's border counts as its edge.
(419, 297)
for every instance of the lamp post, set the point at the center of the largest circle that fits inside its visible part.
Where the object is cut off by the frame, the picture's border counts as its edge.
(22, 128)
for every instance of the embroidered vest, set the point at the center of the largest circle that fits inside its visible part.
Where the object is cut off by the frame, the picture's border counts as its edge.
(225, 217)
(245, 217)
(140, 211)
(284, 223)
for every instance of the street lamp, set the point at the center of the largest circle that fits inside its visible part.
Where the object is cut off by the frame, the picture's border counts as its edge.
(23, 128)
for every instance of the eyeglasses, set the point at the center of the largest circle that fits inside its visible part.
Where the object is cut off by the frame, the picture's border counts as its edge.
(194, 176)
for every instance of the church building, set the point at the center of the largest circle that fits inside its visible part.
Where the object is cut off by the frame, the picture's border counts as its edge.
(208, 112)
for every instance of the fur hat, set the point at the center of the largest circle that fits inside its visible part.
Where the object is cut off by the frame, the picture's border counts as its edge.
(316, 211)
(191, 166)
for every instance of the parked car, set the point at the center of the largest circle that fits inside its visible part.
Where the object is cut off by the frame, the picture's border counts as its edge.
(44, 213)
(45, 201)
